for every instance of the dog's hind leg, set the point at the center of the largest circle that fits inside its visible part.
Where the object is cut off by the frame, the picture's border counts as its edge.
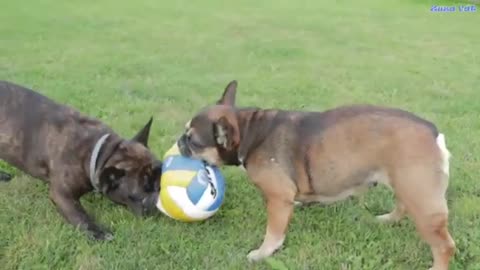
(5, 177)
(430, 212)
(422, 190)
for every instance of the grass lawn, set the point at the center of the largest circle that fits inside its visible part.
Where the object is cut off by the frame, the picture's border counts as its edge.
(123, 61)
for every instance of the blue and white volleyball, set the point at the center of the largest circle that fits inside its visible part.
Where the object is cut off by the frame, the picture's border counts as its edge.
(190, 190)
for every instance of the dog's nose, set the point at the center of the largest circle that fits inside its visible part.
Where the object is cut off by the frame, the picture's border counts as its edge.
(182, 138)
(181, 142)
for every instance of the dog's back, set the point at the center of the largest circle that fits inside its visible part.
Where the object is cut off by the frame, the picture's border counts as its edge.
(34, 128)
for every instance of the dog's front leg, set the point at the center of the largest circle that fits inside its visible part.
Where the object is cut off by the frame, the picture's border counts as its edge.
(279, 193)
(279, 214)
(71, 209)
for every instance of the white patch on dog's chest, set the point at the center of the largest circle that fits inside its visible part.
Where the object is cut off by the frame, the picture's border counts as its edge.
(241, 166)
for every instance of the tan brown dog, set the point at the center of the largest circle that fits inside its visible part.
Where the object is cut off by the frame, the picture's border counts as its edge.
(329, 156)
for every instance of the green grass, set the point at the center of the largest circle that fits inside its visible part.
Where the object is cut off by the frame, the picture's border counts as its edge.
(123, 61)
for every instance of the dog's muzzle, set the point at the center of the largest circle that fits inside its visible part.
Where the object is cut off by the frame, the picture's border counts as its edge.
(149, 204)
(183, 146)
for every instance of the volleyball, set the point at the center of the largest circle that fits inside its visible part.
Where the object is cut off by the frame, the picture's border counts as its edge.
(190, 189)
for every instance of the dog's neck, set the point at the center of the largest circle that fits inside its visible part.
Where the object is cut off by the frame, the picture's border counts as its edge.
(254, 125)
(102, 147)
(94, 179)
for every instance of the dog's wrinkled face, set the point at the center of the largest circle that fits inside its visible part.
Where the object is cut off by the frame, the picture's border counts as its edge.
(213, 134)
(131, 175)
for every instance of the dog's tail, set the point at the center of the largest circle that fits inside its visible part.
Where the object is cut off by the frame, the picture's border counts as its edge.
(445, 153)
(5, 177)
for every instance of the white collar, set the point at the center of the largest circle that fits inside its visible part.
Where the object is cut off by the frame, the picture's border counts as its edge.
(93, 161)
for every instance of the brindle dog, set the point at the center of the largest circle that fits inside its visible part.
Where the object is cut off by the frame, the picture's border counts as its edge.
(75, 154)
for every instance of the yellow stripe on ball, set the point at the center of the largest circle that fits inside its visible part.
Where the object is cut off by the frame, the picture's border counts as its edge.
(173, 151)
(178, 178)
(173, 210)
(174, 198)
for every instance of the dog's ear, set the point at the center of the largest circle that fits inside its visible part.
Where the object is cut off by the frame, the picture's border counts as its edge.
(142, 135)
(110, 179)
(226, 133)
(228, 97)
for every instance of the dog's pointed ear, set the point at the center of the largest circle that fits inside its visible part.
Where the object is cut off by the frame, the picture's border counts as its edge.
(142, 135)
(226, 133)
(228, 97)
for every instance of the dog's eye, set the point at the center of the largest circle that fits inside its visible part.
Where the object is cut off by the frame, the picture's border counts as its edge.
(196, 144)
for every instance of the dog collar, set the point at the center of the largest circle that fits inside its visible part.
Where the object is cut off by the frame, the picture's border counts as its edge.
(93, 161)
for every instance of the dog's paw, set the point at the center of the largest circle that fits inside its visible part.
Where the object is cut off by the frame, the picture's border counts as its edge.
(298, 204)
(386, 218)
(107, 236)
(101, 235)
(255, 255)
(389, 218)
